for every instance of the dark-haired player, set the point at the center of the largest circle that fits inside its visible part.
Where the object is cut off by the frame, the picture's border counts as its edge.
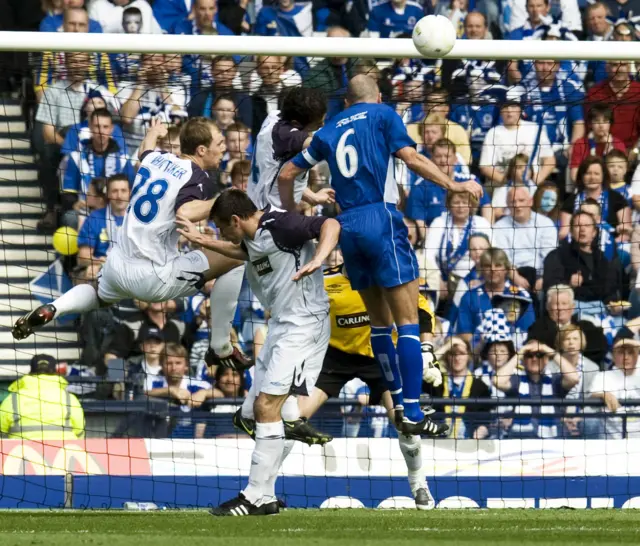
(285, 273)
(285, 133)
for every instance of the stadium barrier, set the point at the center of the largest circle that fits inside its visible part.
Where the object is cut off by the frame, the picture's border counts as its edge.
(358, 472)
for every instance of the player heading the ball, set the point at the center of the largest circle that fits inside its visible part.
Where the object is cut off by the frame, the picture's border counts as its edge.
(360, 146)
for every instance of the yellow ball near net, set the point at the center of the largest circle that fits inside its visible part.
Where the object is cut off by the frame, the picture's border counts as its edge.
(65, 241)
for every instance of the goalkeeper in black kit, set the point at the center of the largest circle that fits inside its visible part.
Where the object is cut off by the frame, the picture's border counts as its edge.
(350, 356)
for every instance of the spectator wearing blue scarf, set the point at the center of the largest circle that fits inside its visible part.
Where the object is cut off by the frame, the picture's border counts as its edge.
(534, 381)
(592, 181)
(98, 157)
(205, 22)
(556, 105)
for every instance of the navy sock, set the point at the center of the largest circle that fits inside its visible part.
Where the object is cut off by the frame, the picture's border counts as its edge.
(410, 357)
(385, 353)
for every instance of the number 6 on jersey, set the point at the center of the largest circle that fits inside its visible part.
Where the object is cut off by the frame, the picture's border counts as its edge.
(346, 152)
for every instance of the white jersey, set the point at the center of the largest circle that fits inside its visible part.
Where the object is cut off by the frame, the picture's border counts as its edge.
(277, 142)
(282, 244)
(164, 183)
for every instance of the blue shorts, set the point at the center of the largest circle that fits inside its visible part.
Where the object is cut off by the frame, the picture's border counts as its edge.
(376, 248)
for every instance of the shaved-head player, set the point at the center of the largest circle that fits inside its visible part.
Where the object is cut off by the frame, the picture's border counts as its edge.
(360, 146)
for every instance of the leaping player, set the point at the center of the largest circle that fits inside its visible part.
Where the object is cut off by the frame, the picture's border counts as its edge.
(145, 262)
(360, 146)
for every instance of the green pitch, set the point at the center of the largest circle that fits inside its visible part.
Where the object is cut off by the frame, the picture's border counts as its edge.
(323, 528)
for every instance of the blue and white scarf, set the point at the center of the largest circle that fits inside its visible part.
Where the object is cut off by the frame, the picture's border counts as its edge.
(603, 200)
(449, 255)
(113, 162)
(545, 425)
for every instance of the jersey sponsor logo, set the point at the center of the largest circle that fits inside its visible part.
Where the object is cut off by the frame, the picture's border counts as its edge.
(351, 119)
(352, 321)
(263, 266)
(333, 288)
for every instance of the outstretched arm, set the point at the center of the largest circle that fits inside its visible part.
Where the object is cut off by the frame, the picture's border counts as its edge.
(190, 232)
(429, 171)
(329, 235)
(286, 178)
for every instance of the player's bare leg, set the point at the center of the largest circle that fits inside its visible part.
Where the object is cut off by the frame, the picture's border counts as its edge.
(309, 405)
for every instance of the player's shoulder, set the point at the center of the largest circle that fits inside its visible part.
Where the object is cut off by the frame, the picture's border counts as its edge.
(275, 218)
(148, 156)
(268, 123)
(381, 109)
(196, 174)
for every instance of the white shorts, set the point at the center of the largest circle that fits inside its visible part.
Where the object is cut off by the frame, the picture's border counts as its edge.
(122, 278)
(291, 358)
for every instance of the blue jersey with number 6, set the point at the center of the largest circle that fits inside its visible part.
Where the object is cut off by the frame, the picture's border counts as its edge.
(359, 146)
(163, 184)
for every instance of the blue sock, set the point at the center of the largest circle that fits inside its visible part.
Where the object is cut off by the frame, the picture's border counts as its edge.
(385, 353)
(410, 356)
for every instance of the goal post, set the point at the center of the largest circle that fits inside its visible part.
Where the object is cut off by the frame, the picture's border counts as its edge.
(146, 450)
(313, 46)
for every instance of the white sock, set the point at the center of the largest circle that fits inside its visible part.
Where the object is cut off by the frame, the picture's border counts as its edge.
(79, 299)
(265, 462)
(411, 447)
(270, 485)
(224, 300)
(290, 409)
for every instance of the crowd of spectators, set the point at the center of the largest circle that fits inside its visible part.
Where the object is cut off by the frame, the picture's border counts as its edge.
(534, 287)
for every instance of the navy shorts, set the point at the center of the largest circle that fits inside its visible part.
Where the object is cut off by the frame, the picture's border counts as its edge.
(376, 248)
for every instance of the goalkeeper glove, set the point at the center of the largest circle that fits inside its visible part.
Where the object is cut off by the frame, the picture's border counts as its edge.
(430, 366)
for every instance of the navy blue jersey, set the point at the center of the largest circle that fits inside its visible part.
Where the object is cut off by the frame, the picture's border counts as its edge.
(358, 144)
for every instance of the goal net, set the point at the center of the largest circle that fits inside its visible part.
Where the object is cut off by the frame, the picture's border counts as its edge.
(527, 294)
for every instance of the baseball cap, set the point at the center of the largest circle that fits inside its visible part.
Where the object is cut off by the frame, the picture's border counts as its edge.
(151, 333)
(43, 364)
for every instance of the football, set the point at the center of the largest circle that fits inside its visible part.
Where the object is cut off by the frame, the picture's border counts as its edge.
(434, 36)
